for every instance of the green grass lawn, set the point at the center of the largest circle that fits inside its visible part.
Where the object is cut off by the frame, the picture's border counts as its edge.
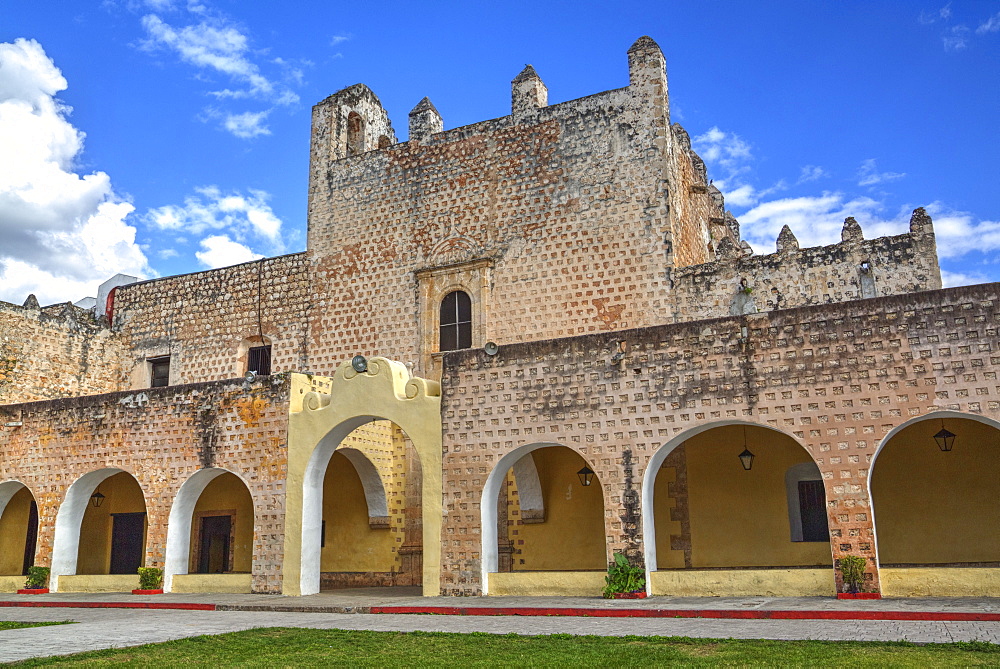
(5, 625)
(286, 647)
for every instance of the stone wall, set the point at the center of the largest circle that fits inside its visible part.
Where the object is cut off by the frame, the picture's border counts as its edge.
(56, 351)
(856, 268)
(558, 219)
(205, 321)
(835, 377)
(161, 436)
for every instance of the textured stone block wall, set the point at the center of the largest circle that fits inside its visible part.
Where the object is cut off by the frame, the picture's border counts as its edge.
(161, 437)
(836, 378)
(569, 205)
(201, 320)
(736, 284)
(56, 351)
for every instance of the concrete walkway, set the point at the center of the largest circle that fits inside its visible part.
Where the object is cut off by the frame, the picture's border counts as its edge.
(365, 600)
(99, 628)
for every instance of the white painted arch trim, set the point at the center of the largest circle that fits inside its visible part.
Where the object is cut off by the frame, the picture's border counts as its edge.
(371, 481)
(66, 543)
(312, 499)
(490, 558)
(7, 490)
(653, 468)
(181, 516)
(884, 441)
(529, 488)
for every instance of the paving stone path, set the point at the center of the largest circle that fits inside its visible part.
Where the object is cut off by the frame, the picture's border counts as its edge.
(116, 628)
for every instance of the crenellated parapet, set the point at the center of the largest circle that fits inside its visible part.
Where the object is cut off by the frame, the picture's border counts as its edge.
(738, 282)
(55, 351)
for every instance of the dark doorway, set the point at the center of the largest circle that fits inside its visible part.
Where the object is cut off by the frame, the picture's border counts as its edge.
(213, 551)
(31, 538)
(127, 533)
(812, 507)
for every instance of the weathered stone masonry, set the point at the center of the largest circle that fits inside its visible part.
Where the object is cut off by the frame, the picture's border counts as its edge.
(836, 378)
(161, 436)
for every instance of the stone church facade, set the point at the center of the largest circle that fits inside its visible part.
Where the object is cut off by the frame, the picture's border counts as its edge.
(482, 316)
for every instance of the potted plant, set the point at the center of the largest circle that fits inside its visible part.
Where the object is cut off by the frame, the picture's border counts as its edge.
(624, 580)
(150, 581)
(37, 582)
(852, 571)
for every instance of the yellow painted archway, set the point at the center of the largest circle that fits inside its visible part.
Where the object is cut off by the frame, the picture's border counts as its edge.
(319, 421)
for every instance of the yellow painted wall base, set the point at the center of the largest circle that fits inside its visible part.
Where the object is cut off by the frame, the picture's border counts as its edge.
(12, 583)
(744, 582)
(940, 581)
(548, 583)
(221, 583)
(99, 583)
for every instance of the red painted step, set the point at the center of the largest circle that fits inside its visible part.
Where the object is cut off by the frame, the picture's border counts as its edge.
(731, 614)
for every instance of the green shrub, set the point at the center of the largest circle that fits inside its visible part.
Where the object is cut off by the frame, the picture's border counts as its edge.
(852, 569)
(38, 577)
(623, 577)
(150, 578)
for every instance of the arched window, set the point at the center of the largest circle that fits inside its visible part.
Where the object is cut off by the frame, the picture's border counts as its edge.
(384, 142)
(456, 321)
(355, 134)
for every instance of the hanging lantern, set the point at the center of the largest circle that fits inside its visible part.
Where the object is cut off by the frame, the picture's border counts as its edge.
(945, 439)
(97, 499)
(746, 458)
(586, 475)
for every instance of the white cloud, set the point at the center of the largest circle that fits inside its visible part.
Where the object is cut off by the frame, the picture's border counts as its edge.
(247, 124)
(63, 233)
(218, 47)
(728, 150)
(741, 196)
(868, 174)
(951, 279)
(956, 38)
(811, 173)
(221, 251)
(959, 233)
(990, 25)
(815, 220)
(338, 39)
(242, 215)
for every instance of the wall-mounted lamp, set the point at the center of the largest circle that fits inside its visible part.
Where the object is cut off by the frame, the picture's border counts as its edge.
(13, 423)
(97, 499)
(620, 353)
(586, 476)
(945, 439)
(359, 363)
(746, 457)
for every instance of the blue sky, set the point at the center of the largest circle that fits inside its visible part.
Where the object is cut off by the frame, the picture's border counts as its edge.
(157, 137)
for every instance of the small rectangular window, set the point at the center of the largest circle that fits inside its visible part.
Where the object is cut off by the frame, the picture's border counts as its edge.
(159, 371)
(812, 507)
(259, 360)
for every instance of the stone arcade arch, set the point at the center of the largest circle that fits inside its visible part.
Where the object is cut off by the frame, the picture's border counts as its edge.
(937, 514)
(526, 477)
(68, 530)
(368, 541)
(319, 422)
(179, 530)
(712, 560)
(18, 533)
